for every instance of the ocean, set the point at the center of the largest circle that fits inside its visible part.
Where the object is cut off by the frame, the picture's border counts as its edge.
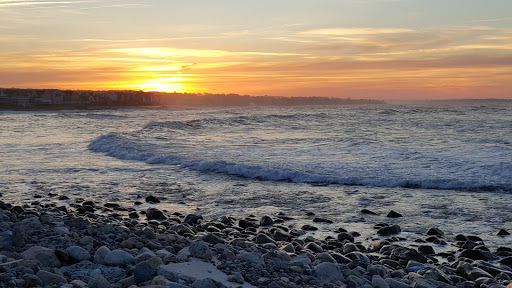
(439, 164)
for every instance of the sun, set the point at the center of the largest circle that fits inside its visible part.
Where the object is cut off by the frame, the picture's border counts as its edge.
(173, 84)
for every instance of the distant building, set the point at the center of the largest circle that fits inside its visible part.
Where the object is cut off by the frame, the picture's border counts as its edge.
(4, 99)
(23, 97)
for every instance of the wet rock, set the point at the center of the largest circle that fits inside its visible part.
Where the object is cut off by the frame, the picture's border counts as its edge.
(368, 212)
(280, 235)
(266, 221)
(32, 280)
(328, 272)
(213, 239)
(155, 214)
(262, 239)
(192, 219)
(507, 261)
(99, 255)
(477, 255)
(18, 237)
(349, 247)
(426, 283)
(143, 272)
(379, 282)
(502, 232)
(389, 230)
(78, 253)
(200, 249)
(152, 199)
(118, 258)
(50, 279)
(308, 227)
(45, 256)
(133, 215)
(322, 220)
(435, 231)
(288, 248)
(246, 224)
(236, 277)
(393, 283)
(314, 247)
(345, 236)
(98, 281)
(426, 250)
(394, 214)
(207, 283)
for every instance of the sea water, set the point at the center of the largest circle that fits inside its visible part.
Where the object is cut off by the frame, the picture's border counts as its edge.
(446, 165)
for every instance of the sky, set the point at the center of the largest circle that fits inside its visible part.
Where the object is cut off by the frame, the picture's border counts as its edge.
(379, 49)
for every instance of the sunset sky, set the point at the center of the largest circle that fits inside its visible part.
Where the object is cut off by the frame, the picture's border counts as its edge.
(382, 49)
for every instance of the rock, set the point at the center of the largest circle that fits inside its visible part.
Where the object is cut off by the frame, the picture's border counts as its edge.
(155, 214)
(192, 219)
(99, 255)
(345, 236)
(213, 239)
(207, 283)
(340, 258)
(477, 255)
(236, 277)
(435, 231)
(426, 250)
(78, 253)
(262, 239)
(143, 272)
(266, 221)
(328, 272)
(288, 248)
(18, 237)
(246, 224)
(325, 257)
(133, 215)
(200, 249)
(354, 281)
(393, 283)
(98, 281)
(308, 227)
(389, 230)
(32, 280)
(349, 247)
(118, 258)
(280, 235)
(379, 282)
(368, 212)
(152, 199)
(502, 232)
(50, 279)
(314, 247)
(506, 261)
(425, 283)
(322, 220)
(394, 214)
(45, 256)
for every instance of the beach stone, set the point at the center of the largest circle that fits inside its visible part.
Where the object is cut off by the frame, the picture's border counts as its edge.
(377, 270)
(394, 214)
(118, 258)
(426, 250)
(340, 258)
(31, 280)
(345, 236)
(368, 212)
(200, 249)
(262, 239)
(143, 272)
(152, 199)
(435, 232)
(99, 255)
(280, 235)
(78, 253)
(213, 239)
(181, 229)
(207, 283)
(322, 220)
(425, 283)
(18, 237)
(236, 277)
(98, 281)
(308, 227)
(266, 221)
(246, 224)
(379, 282)
(506, 261)
(358, 257)
(44, 255)
(314, 247)
(50, 279)
(288, 248)
(354, 281)
(349, 247)
(325, 257)
(155, 214)
(192, 219)
(393, 283)
(389, 230)
(476, 254)
(328, 272)
(502, 232)
(248, 258)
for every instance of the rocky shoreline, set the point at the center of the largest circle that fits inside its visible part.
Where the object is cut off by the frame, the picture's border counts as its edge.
(99, 245)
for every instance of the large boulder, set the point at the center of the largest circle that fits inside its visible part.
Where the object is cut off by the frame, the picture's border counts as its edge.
(44, 255)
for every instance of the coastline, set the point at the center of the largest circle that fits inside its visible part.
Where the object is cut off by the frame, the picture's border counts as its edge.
(85, 242)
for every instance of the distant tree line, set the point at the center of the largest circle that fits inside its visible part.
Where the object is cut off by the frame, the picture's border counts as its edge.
(15, 97)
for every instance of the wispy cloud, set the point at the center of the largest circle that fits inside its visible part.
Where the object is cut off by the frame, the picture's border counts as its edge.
(356, 31)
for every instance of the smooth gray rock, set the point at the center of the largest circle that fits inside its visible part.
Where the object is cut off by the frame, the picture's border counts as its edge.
(389, 230)
(51, 279)
(99, 255)
(328, 272)
(200, 249)
(118, 258)
(78, 253)
(45, 256)
(98, 281)
(379, 282)
(393, 283)
(314, 247)
(262, 239)
(143, 272)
